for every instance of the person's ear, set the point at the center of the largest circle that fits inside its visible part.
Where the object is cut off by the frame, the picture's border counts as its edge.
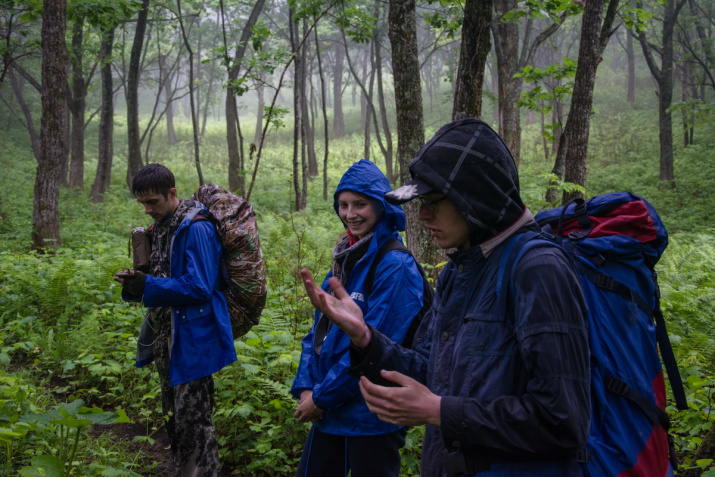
(172, 192)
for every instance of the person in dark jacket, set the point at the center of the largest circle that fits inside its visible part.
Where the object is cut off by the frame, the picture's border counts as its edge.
(187, 330)
(345, 436)
(500, 379)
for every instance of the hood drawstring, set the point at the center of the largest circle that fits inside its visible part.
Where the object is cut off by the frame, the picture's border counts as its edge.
(353, 240)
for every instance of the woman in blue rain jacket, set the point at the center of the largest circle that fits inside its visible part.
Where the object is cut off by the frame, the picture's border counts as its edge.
(345, 434)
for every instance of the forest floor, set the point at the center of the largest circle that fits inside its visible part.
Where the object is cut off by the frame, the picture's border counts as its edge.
(154, 458)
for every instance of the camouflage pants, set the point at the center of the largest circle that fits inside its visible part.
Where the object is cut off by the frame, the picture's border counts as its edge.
(189, 407)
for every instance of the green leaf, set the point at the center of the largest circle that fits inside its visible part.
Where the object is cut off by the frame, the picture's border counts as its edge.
(45, 465)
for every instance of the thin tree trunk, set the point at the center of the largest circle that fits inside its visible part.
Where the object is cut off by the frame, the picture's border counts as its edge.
(664, 78)
(34, 137)
(631, 67)
(338, 119)
(370, 108)
(192, 101)
(297, 109)
(106, 121)
(552, 194)
(325, 116)
(365, 97)
(134, 153)
(64, 168)
(45, 215)
(383, 108)
(260, 91)
(78, 106)
(308, 128)
(168, 97)
(235, 164)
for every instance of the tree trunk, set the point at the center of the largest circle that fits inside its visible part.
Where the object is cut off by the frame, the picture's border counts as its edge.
(260, 91)
(308, 126)
(17, 89)
(472, 59)
(594, 38)
(377, 39)
(192, 100)
(338, 119)
(365, 98)
(106, 121)
(77, 108)
(410, 123)
(297, 110)
(134, 153)
(235, 166)
(506, 45)
(45, 215)
(631, 67)
(168, 97)
(64, 168)
(552, 194)
(326, 124)
(664, 77)
(209, 93)
(369, 108)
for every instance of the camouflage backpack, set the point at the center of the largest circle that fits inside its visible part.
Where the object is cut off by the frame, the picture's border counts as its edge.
(235, 221)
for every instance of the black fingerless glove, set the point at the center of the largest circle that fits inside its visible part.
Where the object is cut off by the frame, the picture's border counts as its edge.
(134, 285)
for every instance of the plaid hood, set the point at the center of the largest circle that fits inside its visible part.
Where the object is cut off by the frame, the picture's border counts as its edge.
(469, 163)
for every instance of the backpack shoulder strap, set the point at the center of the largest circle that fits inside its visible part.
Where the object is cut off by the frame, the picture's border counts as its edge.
(389, 245)
(427, 290)
(515, 248)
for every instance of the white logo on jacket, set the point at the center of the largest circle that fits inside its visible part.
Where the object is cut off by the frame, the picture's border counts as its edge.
(357, 296)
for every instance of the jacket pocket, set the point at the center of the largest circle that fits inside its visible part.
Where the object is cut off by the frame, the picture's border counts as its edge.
(191, 312)
(486, 335)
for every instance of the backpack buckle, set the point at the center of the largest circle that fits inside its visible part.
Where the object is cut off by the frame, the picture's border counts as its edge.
(604, 281)
(617, 386)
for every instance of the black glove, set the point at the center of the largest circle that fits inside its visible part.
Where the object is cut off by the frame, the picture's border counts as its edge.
(134, 285)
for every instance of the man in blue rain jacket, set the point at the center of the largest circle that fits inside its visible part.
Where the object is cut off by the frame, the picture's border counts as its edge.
(187, 330)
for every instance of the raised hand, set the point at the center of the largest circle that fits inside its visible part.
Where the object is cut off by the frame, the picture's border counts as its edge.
(340, 309)
(410, 404)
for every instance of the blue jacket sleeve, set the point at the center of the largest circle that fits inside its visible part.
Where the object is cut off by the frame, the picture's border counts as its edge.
(197, 279)
(305, 376)
(395, 299)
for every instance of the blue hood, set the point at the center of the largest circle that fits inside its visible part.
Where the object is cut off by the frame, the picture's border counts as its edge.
(367, 179)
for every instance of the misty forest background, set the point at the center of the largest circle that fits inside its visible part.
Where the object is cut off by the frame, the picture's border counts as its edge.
(274, 101)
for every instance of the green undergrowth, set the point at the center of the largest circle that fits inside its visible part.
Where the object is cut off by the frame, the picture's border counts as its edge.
(67, 341)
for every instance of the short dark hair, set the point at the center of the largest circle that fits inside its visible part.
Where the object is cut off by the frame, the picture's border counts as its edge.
(153, 178)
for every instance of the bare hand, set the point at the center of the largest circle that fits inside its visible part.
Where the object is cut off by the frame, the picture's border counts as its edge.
(411, 404)
(307, 410)
(340, 309)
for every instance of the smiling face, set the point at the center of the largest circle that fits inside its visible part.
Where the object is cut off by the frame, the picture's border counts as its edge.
(444, 223)
(357, 212)
(156, 205)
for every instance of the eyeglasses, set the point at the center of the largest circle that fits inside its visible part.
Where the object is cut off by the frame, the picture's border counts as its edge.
(431, 204)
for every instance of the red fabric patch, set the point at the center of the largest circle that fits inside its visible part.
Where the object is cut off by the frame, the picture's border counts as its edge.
(630, 219)
(653, 459)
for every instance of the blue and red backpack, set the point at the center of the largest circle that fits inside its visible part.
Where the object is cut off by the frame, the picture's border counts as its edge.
(615, 240)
